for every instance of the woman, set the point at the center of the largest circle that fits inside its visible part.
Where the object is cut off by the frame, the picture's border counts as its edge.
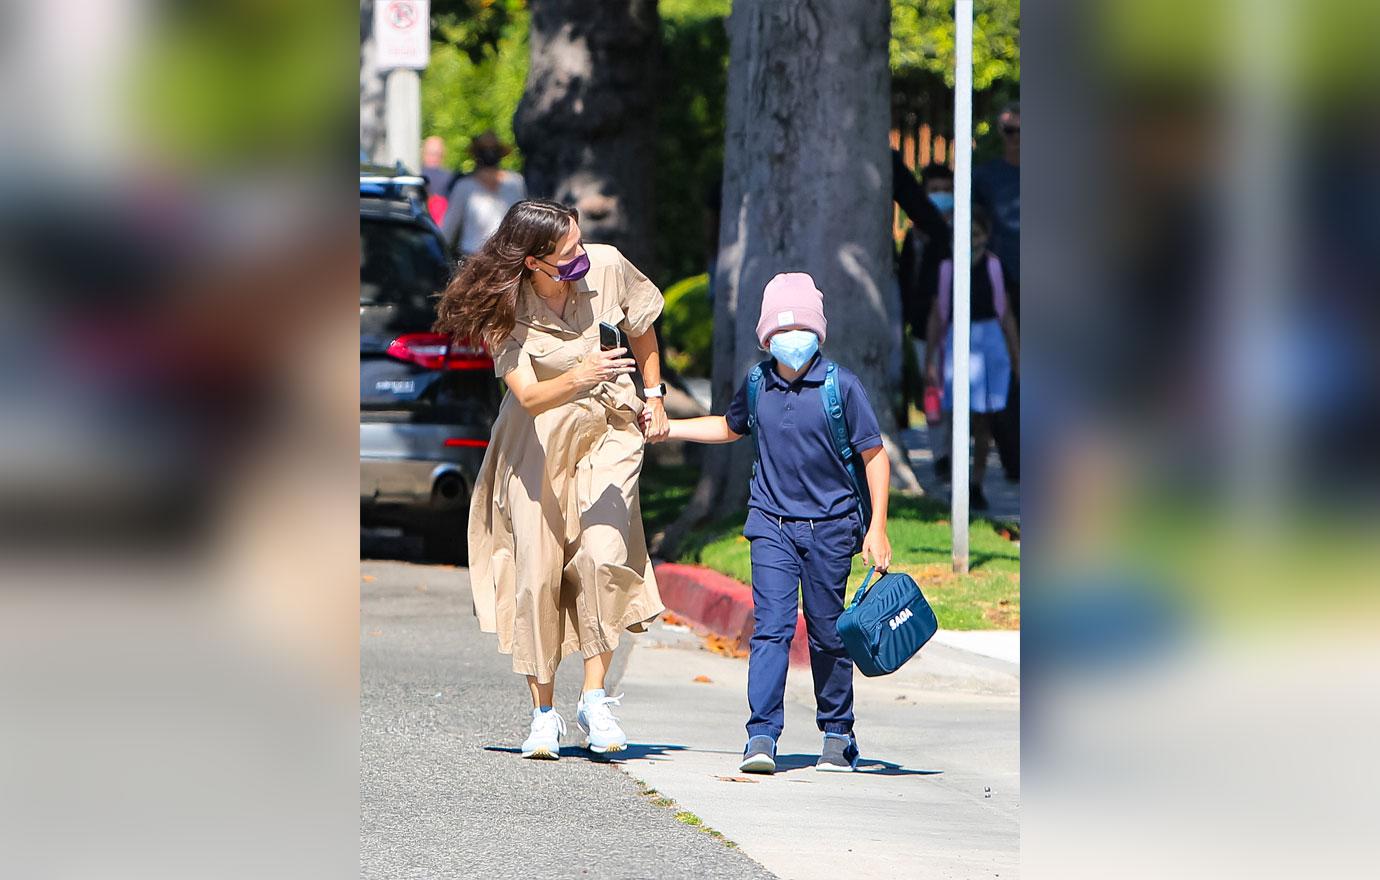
(558, 559)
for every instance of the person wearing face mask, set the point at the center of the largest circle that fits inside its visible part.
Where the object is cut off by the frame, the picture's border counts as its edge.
(558, 556)
(806, 516)
(478, 201)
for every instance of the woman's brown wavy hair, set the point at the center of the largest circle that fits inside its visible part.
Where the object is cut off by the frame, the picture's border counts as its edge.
(480, 303)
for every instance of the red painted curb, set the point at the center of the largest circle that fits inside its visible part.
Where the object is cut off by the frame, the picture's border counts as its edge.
(720, 605)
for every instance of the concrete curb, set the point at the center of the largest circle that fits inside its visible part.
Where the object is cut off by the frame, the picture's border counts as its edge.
(718, 604)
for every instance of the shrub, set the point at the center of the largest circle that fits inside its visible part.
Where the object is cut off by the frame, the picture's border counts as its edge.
(687, 328)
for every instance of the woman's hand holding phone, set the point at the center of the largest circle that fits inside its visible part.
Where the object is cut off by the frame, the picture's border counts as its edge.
(602, 366)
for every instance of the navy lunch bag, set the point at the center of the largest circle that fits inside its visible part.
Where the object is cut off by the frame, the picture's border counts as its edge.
(886, 624)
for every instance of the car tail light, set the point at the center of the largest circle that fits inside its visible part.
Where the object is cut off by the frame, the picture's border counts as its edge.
(467, 441)
(433, 351)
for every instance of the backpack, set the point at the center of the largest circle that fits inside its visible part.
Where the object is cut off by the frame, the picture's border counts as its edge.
(838, 428)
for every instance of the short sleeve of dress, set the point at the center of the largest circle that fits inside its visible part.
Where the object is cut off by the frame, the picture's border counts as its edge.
(639, 297)
(509, 356)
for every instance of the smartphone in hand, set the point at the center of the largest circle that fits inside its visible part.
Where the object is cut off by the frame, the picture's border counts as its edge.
(609, 337)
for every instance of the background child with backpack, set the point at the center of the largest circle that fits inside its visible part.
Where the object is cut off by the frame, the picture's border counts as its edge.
(818, 496)
(993, 348)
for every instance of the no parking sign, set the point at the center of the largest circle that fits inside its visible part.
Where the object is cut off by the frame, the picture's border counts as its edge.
(402, 31)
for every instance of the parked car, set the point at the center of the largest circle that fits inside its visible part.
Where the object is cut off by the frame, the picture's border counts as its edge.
(426, 406)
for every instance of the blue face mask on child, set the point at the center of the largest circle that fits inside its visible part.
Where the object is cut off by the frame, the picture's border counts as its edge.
(794, 348)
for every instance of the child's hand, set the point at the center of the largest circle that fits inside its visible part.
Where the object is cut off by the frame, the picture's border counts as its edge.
(653, 429)
(655, 425)
(876, 549)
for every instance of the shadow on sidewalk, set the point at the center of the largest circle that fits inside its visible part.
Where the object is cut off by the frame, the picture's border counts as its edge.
(632, 752)
(866, 766)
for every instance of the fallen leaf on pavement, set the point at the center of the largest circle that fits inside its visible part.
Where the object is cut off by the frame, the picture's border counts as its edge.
(375, 632)
(736, 779)
(368, 578)
(727, 647)
(704, 679)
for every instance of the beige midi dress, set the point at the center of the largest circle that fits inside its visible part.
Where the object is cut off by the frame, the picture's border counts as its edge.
(558, 558)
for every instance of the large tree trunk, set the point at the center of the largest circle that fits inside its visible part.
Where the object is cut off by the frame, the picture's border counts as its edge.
(372, 132)
(586, 120)
(807, 188)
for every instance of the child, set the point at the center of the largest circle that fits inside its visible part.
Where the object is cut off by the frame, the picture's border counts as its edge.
(993, 348)
(804, 517)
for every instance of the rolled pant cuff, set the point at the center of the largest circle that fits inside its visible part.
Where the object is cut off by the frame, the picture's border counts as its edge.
(843, 729)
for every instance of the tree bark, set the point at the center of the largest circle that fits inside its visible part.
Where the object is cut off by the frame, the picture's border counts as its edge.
(372, 132)
(807, 188)
(586, 122)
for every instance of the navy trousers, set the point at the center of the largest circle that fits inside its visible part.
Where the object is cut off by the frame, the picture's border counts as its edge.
(816, 557)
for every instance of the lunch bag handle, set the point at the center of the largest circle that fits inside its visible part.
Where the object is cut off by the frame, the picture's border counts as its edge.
(862, 591)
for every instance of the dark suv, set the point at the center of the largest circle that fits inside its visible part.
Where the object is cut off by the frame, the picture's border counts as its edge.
(426, 407)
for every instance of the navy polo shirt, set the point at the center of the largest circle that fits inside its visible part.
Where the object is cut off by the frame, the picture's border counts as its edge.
(800, 474)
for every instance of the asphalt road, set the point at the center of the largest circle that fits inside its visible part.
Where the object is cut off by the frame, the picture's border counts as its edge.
(443, 792)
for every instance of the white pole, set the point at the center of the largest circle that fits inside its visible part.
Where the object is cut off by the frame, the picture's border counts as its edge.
(403, 101)
(963, 187)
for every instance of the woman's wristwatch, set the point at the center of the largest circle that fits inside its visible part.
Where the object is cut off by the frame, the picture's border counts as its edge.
(655, 391)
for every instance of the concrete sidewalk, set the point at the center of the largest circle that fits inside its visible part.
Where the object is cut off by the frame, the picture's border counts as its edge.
(936, 794)
(998, 644)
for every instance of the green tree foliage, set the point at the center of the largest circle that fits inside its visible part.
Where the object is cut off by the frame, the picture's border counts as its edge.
(475, 27)
(690, 130)
(923, 62)
(688, 327)
(475, 78)
(479, 63)
(922, 41)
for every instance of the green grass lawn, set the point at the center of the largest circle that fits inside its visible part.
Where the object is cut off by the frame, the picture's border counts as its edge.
(987, 597)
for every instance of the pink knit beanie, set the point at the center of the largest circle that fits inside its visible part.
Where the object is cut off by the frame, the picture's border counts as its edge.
(791, 302)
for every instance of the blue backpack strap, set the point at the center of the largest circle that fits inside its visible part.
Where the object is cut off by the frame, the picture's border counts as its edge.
(838, 430)
(756, 378)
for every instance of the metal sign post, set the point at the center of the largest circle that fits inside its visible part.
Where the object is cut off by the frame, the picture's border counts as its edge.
(963, 191)
(402, 31)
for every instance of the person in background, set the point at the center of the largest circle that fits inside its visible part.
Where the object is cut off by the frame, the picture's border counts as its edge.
(993, 346)
(439, 178)
(997, 187)
(929, 203)
(479, 201)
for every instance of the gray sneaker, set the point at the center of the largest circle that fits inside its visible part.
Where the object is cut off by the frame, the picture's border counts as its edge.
(759, 756)
(839, 753)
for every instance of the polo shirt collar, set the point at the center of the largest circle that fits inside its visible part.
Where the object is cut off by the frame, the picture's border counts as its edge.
(813, 375)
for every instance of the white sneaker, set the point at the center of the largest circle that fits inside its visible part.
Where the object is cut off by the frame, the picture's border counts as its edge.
(597, 721)
(544, 741)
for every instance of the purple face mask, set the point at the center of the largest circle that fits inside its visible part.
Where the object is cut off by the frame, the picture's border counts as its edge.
(572, 271)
